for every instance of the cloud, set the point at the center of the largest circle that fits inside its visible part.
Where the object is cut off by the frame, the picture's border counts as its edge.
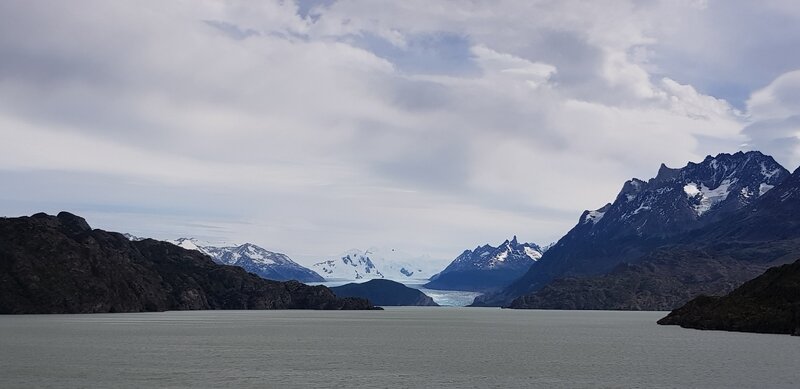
(429, 127)
(725, 48)
(775, 114)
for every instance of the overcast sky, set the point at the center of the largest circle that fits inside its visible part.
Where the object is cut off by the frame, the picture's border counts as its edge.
(428, 126)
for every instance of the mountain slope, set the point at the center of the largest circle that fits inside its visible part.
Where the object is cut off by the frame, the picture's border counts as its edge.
(664, 279)
(769, 303)
(647, 215)
(58, 264)
(385, 293)
(487, 267)
(254, 259)
(712, 260)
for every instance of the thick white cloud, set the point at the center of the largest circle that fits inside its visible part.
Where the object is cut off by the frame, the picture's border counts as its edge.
(430, 127)
(775, 118)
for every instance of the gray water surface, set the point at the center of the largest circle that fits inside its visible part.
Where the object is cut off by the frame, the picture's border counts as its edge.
(422, 347)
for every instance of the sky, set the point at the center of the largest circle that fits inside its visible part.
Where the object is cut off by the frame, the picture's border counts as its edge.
(431, 127)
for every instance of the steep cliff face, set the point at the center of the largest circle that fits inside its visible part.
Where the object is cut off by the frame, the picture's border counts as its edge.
(59, 264)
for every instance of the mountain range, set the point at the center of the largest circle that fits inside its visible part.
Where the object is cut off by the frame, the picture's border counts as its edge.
(59, 264)
(375, 263)
(487, 267)
(629, 243)
(704, 229)
(263, 263)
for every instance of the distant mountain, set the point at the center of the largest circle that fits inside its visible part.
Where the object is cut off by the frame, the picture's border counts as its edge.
(385, 293)
(647, 215)
(769, 303)
(487, 267)
(59, 264)
(375, 263)
(254, 259)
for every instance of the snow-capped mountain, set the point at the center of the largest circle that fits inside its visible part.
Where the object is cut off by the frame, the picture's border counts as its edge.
(254, 259)
(678, 200)
(352, 265)
(648, 214)
(487, 267)
(711, 261)
(375, 263)
(194, 244)
(131, 237)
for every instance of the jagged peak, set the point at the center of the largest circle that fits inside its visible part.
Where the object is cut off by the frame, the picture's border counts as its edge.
(705, 185)
(666, 174)
(630, 189)
(741, 158)
(723, 165)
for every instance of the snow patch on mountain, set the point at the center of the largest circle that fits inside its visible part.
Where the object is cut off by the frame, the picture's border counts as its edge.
(192, 244)
(533, 253)
(764, 188)
(705, 198)
(769, 173)
(594, 216)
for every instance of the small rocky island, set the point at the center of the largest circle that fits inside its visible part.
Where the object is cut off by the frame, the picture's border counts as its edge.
(770, 303)
(59, 264)
(385, 293)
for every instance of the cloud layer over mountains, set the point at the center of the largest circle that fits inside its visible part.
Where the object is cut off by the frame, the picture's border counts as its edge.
(427, 126)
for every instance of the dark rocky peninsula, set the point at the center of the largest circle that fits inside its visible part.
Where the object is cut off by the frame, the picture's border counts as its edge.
(769, 303)
(59, 264)
(386, 293)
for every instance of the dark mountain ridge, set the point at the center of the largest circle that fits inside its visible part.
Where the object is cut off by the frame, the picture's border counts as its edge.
(647, 215)
(712, 260)
(59, 264)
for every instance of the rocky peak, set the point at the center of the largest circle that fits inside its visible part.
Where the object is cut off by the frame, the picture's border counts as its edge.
(665, 174)
(73, 223)
(686, 198)
(648, 214)
(630, 189)
(509, 253)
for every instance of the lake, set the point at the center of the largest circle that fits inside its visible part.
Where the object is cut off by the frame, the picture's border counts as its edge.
(421, 347)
